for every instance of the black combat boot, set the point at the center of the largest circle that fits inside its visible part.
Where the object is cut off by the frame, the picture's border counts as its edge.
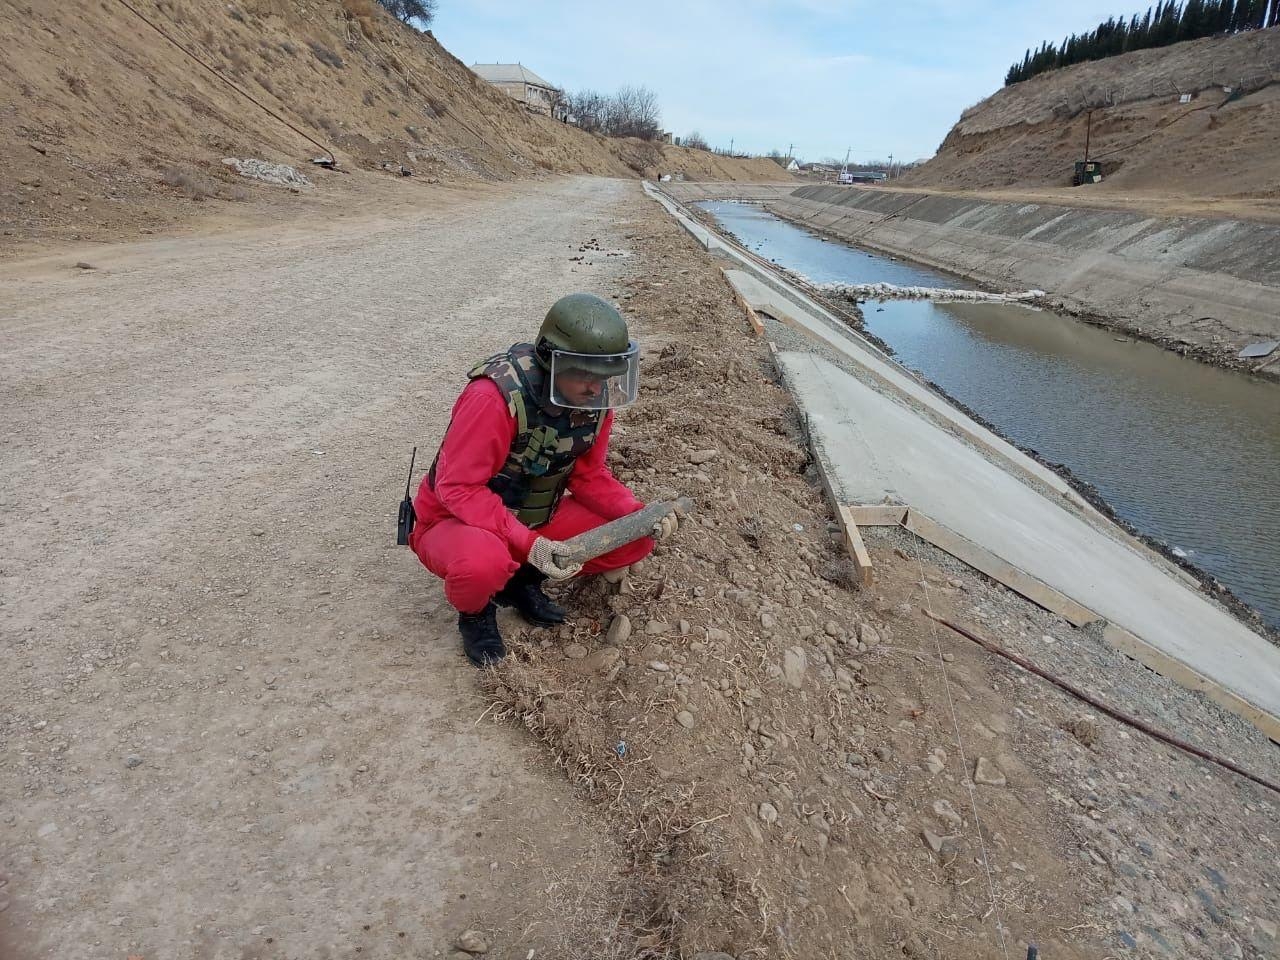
(481, 640)
(524, 592)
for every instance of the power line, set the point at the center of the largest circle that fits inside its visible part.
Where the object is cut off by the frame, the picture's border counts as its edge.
(236, 87)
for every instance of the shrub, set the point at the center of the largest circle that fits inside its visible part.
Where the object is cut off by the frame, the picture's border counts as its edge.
(186, 184)
(325, 55)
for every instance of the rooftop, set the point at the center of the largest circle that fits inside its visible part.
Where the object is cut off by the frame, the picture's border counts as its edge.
(509, 73)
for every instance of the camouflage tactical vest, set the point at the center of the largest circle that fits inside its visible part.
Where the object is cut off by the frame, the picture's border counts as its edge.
(548, 440)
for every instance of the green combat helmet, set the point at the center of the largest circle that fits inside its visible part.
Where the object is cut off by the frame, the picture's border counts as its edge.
(584, 341)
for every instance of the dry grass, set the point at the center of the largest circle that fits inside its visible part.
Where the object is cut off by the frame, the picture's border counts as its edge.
(325, 55)
(186, 184)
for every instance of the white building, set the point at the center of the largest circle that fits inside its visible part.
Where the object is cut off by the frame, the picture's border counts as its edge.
(519, 83)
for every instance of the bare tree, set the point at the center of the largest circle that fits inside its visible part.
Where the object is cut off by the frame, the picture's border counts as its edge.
(416, 13)
(695, 141)
(631, 112)
(588, 110)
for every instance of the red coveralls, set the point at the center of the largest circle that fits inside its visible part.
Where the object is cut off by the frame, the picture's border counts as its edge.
(468, 538)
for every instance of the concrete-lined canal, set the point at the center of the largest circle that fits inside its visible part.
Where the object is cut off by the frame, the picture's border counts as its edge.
(1187, 453)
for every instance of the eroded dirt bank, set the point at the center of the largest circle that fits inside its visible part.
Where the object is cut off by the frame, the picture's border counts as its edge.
(235, 720)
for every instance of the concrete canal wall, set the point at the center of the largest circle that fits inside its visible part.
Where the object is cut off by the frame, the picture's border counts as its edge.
(1206, 287)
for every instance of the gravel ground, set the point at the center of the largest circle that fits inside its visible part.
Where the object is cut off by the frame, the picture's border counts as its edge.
(233, 719)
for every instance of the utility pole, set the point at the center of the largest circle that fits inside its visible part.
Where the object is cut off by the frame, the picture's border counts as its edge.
(891, 166)
(790, 147)
(731, 146)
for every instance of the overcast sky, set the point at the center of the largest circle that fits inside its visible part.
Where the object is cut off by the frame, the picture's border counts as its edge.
(881, 78)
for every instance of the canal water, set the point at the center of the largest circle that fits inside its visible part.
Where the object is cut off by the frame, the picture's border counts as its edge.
(1187, 453)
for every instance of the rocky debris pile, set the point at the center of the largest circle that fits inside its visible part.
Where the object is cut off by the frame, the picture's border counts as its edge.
(857, 292)
(796, 764)
(278, 173)
(733, 700)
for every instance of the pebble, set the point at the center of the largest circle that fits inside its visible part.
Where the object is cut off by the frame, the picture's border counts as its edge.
(258, 532)
(619, 629)
(658, 666)
(936, 761)
(832, 629)
(883, 754)
(685, 719)
(575, 651)
(602, 661)
(768, 813)
(868, 635)
(703, 456)
(947, 813)
(1085, 729)
(473, 941)
(133, 760)
(716, 635)
(985, 771)
(713, 956)
(936, 843)
(768, 621)
(794, 664)
(657, 627)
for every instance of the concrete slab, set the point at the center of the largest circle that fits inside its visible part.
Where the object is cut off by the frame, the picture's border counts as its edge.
(835, 334)
(876, 446)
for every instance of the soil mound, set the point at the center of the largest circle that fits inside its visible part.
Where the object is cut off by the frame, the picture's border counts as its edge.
(120, 114)
(1197, 119)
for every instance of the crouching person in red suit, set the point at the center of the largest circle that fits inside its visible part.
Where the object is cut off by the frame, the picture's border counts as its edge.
(522, 467)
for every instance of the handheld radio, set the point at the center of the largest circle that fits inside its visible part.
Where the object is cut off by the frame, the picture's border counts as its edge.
(406, 518)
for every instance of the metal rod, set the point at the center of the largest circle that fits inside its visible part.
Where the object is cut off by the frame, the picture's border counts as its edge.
(1108, 710)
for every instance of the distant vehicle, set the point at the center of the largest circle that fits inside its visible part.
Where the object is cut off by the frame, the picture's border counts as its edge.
(846, 176)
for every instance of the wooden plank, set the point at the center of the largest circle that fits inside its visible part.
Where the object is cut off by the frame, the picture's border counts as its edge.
(1019, 581)
(879, 514)
(853, 542)
(1177, 671)
(757, 326)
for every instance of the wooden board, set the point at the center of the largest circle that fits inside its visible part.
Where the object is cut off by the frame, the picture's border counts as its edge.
(757, 326)
(853, 543)
(878, 515)
(1019, 581)
(1179, 672)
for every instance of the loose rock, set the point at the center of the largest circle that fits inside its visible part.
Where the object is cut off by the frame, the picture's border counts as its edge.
(768, 813)
(473, 941)
(987, 772)
(685, 719)
(575, 651)
(619, 629)
(794, 664)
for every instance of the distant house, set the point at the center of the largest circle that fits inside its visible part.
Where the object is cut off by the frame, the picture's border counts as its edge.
(520, 83)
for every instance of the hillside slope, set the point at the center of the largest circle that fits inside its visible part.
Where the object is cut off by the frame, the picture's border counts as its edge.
(1030, 134)
(107, 126)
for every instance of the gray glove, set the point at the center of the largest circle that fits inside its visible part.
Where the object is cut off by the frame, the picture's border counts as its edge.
(542, 556)
(665, 527)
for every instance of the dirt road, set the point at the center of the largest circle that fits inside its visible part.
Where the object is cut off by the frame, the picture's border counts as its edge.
(234, 715)
(233, 721)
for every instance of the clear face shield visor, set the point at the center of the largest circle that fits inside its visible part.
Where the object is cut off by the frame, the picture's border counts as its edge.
(595, 381)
